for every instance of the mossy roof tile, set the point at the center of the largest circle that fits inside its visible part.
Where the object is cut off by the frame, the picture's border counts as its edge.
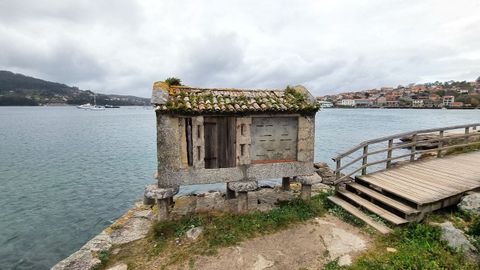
(188, 100)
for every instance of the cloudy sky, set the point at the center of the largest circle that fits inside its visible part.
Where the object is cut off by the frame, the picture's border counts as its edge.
(122, 46)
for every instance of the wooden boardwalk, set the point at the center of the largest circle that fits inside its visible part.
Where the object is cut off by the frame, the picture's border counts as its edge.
(429, 181)
(405, 193)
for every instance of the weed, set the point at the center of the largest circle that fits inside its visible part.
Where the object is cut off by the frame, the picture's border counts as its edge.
(230, 229)
(173, 81)
(345, 216)
(333, 265)
(418, 247)
(103, 256)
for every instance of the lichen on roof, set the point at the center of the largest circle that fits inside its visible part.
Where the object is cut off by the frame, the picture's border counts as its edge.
(195, 101)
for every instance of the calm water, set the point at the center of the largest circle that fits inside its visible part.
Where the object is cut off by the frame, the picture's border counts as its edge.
(65, 173)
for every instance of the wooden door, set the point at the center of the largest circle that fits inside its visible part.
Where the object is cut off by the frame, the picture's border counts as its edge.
(219, 142)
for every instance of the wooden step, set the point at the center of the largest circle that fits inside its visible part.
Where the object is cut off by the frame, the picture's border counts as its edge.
(359, 214)
(383, 213)
(384, 199)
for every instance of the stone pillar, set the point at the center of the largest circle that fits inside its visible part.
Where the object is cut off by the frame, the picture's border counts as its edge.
(229, 194)
(305, 192)
(163, 207)
(307, 181)
(286, 183)
(242, 201)
(163, 197)
(242, 188)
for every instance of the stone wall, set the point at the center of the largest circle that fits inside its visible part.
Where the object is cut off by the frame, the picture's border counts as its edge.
(173, 169)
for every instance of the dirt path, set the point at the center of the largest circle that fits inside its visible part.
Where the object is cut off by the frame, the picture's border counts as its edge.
(309, 245)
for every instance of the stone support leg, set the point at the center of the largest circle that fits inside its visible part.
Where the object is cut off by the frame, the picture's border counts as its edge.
(163, 206)
(242, 188)
(306, 192)
(285, 183)
(242, 201)
(148, 201)
(163, 197)
(230, 193)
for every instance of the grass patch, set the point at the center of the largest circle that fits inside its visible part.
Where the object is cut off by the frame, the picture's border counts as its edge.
(103, 256)
(418, 247)
(230, 229)
(166, 244)
(474, 231)
(333, 265)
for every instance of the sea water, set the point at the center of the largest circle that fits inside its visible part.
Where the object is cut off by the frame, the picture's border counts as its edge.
(65, 173)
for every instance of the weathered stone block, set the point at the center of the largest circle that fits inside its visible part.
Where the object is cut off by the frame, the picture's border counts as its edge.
(243, 186)
(210, 202)
(154, 192)
(470, 203)
(309, 179)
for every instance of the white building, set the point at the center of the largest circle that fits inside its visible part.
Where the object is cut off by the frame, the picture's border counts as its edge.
(325, 104)
(448, 101)
(347, 102)
(417, 102)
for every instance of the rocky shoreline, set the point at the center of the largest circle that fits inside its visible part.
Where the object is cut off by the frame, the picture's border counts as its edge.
(136, 222)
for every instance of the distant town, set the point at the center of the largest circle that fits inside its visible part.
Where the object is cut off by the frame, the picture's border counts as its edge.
(451, 94)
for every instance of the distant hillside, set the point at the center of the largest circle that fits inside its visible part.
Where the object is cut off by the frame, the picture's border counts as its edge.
(21, 90)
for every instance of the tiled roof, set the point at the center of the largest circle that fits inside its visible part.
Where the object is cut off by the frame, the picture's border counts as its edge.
(189, 100)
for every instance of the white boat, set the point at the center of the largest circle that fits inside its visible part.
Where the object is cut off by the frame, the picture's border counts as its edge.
(91, 107)
(86, 106)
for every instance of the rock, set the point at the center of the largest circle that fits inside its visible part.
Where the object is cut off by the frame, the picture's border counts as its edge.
(262, 263)
(320, 165)
(243, 186)
(147, 214)
(80, 260)
(121, 266)
(309, 179)
(470, 203)
(154, 192)
(100, 242)
(344, 260)
(131, 230)
(194, 233)
(272, 196)
(316, 188)
(456, 239)
(184, 205)
(340, 242)
(391, 250)
(210, 202)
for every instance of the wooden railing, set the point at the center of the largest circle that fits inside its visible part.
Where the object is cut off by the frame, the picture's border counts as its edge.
(342, 175)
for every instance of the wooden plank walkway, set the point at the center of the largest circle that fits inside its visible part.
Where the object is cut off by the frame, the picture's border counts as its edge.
(428, 181)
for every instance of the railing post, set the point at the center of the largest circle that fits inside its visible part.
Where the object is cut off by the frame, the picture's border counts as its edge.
(389, 153)
(337, 170)
(414, 147)
(467, 131)
(440, 144)
(365, 159)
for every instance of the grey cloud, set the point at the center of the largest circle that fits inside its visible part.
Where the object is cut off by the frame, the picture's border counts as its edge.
(63, 62)
(124, 46)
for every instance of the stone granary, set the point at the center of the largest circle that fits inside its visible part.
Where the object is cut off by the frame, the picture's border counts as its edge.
(231, 136)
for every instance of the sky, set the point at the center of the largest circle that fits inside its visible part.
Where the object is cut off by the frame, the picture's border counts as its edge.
(122, 47)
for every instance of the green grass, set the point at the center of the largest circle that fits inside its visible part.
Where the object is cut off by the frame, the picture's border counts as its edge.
(418, 247)
(230, 229)
(474, 231)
